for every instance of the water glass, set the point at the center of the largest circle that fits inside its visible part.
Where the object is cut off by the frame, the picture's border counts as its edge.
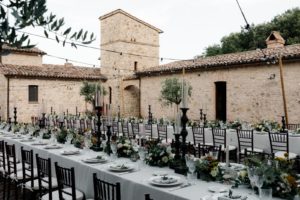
(266, 194)
(113, 147)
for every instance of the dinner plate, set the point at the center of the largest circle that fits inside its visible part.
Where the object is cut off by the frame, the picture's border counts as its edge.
(54, 146)
(95, 160)
(217, 189)
(120, 168)
(70, 152)
(165, 181)
(27, 140)
(39, 143)
(234, 166)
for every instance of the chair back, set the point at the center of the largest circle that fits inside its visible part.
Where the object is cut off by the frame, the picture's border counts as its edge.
(2, 155)
(44, 170)
(219, 137)
(135, 127)
(148, 130)
(293, 127)
(11, 159)
(82, 125)
(106, 191)
(245, 139)
(115, 128)
(162, 132)
(279, 142)
(198, 135)
(65, 178)
(125, 129)
(207, 149)
(27, 166)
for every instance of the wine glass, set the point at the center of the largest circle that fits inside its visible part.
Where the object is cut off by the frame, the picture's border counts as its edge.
(142, 154)
(87, 143)
(113, 147)
(251, 176)
(69, 138)
(189, 159)
(259, 181)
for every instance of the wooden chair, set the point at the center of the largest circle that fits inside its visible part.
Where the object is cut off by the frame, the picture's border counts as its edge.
(29, 173)
(245, 141)
(279, 143)
(148, 130)
(46, 183)
(66, 185)
(147, 197)
(207, 149)
(82, 126)
(3, 166)
(13, 173)
(219, 138)
(106, 191)
(162, 132)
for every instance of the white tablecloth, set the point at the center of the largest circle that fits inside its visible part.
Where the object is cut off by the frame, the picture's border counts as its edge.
(133, 185)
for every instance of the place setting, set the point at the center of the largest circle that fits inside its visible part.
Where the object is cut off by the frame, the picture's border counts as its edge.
(100, 159)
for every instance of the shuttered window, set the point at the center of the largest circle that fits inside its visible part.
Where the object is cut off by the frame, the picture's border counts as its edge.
(33, 93)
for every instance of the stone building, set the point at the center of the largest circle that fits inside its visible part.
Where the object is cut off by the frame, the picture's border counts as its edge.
(30, 86)
(244, 85)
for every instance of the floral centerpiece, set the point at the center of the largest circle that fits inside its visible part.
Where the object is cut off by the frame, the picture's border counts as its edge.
(213, 124)
(207, 168)
(267, 126)
(78, 140)
(15, 128)
(236, 124)
(124, 147)
(277, 174)
(159, 154)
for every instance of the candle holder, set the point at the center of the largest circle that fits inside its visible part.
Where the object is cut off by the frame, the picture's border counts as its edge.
(98, 147)
(283, 122)
(180, 165)
(150, 117)
(42, 121)
(108, 134)
(119, 113)
(9, 120)
(177, 147)
(201, 115)
(15, 115)
(204, 120)
(51, 110)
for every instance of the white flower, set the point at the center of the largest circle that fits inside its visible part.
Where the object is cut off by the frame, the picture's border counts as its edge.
(119, 146)
(165, 159)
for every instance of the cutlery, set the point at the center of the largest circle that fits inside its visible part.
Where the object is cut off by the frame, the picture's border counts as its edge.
(180, 187)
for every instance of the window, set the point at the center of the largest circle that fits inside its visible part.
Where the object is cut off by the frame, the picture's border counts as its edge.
(33, 93)
(135, 65)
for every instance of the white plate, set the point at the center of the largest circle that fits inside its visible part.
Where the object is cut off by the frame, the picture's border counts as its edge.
(217, 189)
(28, 140)
(94, 160)
(70, 152)
(53, 147)
(120, 168)
(170, 182)
(234, 166)
(39, 143)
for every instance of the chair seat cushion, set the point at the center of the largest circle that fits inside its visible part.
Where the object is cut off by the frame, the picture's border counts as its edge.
(249, 149)
(231, 148)
(280, 154)
(44, 184)
(55, 195)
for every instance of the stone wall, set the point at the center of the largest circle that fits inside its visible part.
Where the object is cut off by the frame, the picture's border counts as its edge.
(123, 34)
(3, 100)
(56, 93)
(22, 59)
(251, 95)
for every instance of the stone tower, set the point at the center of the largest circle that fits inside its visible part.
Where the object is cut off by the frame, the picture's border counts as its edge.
(128, 44)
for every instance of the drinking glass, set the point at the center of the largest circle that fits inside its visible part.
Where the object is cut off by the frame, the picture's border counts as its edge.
(259, 181)
(251, 176)
(142, 154)
(69, 138)
(189, 159)
(266, 194)
(114, 150)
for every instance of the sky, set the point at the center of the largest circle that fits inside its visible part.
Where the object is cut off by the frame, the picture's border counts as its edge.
(189, 26)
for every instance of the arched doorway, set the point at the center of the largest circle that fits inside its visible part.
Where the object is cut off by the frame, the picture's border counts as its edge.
(131, 101)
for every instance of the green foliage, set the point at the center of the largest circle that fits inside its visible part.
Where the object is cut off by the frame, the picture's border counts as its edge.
(17, 15)
(288, 24)
(171, 91)
(88, 91)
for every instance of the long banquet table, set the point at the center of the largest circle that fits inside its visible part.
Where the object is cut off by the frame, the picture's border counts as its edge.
(133, 185)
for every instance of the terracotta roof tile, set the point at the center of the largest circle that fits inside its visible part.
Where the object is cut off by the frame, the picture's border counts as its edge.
(52, 71)
(27, 50)
(227, 60)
